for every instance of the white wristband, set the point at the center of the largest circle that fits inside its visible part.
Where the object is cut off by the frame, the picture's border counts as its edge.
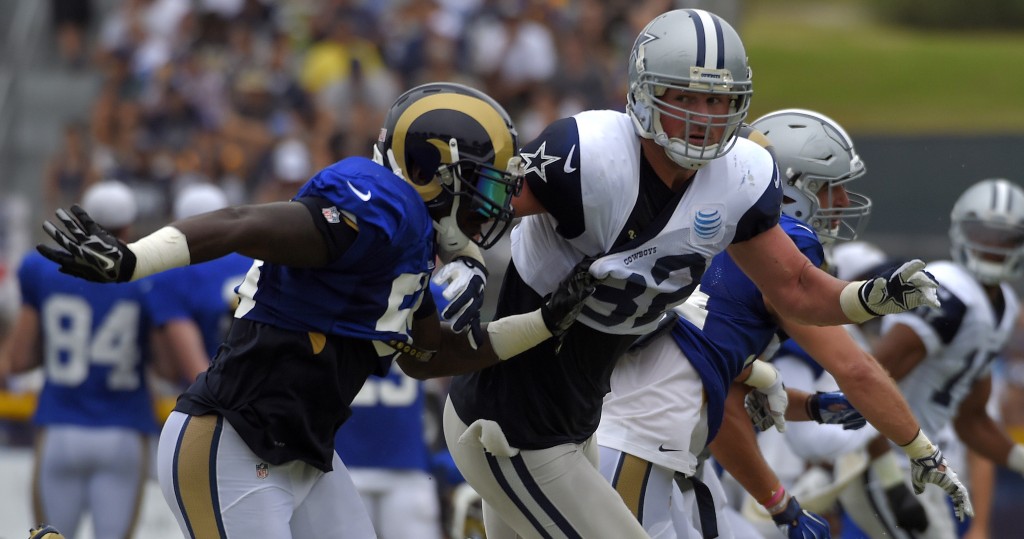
(849, 300)
(920, 447)
(162, 250)
(762, 375)
(1015, 460)
(513, 335)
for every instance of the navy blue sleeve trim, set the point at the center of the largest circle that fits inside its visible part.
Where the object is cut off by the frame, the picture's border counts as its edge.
(947, 319)
(552, 164)
(339, 236)
(764, 214)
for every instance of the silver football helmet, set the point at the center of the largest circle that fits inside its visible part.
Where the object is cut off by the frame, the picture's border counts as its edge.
(815, 153)
(696, 51)
(987, 232)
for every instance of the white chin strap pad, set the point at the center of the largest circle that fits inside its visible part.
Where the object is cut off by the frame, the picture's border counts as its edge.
(450, 237)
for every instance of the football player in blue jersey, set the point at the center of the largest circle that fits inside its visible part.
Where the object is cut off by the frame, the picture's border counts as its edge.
(95, 410)
(385, 449)
(668, 399)
(942, 359)
(339, 290)
(653, 194)
(191, 306)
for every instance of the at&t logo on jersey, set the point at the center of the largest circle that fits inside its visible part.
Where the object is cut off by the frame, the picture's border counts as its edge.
(707, 225)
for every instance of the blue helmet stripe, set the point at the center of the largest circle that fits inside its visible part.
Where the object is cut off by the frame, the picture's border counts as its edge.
(721, 43)
(701, 45)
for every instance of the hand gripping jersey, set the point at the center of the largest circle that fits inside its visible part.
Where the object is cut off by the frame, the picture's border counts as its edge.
(724, 326)
(205, 293)
(305, 339)
(94, 345)
(961, 339)
(604, 199)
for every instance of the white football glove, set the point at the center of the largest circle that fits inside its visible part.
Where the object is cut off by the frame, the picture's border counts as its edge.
(766, 406)
(895, 291)
(464, 280)
(927, 465)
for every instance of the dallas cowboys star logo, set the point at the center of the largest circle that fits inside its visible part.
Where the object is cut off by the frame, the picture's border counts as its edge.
(900, 291)
(537, 161)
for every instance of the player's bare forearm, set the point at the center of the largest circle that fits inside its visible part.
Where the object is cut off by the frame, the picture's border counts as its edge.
(735, 448)
(453, 354)
(797, 409)
(278, 232)
(983, 436)
(866, 384)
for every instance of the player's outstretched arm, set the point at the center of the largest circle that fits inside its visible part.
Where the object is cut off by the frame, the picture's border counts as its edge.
(804, 293)
(279, 232)
(449, 354)
(862, 379)
(735, 448)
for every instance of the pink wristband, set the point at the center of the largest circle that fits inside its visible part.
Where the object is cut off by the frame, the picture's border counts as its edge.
(778, 500)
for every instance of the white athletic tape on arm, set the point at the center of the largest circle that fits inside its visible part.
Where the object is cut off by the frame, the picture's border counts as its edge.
(1015, 461)
(162, 250)
(513, 335)
(762, 375)
(920, 447)
(853, 308)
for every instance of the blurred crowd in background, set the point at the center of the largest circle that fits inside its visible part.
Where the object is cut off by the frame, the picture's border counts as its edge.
(254, 95)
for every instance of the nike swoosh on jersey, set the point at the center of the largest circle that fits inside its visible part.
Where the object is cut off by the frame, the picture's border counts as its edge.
(362, 196)
(568, 168)
(663, 449)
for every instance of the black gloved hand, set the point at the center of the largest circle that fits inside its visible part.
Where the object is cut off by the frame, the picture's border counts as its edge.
(566, 302)
(89, 251)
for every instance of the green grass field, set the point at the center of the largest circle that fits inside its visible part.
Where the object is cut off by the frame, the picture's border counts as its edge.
(880, 79)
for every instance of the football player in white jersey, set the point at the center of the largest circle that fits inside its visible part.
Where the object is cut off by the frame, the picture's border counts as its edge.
(95, 412)
(942, 358)
(667, 399)
(653, 194)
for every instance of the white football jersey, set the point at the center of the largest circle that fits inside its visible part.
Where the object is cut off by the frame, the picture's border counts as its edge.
(659, 267)
(961, 340)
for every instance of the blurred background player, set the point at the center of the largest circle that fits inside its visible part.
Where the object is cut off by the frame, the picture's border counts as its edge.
(95, 410)
(192, 306)
(942, 358)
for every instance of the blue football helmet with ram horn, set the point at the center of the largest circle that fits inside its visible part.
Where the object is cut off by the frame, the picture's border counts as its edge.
(459, 149)
(987, 231)
(815, 154)
(696, 51)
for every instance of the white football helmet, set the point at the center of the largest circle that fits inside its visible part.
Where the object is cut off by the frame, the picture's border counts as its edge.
(987, 232)
(697, 51)
(814, 153)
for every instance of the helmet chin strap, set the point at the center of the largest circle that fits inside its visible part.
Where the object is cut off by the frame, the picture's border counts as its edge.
(676, 151)
(450, 237)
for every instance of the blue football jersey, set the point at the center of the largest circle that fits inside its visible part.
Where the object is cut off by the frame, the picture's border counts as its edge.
(371, 291)
(94, 346)
(386, 427)
(738, 326)
(205, 293)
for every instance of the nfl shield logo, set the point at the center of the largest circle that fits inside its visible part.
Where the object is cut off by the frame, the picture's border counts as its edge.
(262, 470)
(331, 214)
